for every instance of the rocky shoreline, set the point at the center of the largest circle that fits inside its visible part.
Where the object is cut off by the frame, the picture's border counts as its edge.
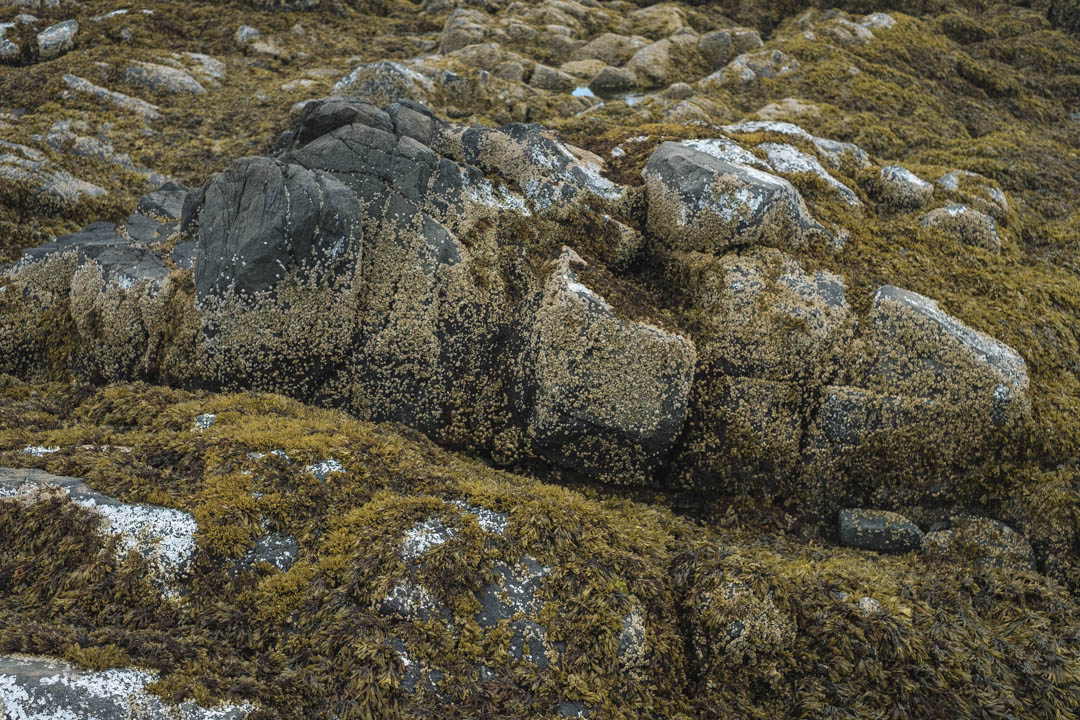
(572, 359)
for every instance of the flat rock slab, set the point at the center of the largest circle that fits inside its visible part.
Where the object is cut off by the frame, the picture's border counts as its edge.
(164, 536)
(45, 689)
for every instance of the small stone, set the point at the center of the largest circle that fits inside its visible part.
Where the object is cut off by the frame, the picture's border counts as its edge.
(878, 530)
(57, 39)
(204, 421)
(869, 606)
(548, 78)
(613, 79)
(245, 35)
(970, 226)
(903, 189)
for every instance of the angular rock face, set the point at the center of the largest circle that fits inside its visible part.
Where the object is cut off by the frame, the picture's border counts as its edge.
(702, 203)
(609, 393)
(397, 265)
(921, 351)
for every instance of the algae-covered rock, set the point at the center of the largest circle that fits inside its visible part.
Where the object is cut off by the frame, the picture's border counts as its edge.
(608, 395)
(163, 536)
(33, 688)
(971, 226)
(879, 530)
(981, 541)
(702, 203)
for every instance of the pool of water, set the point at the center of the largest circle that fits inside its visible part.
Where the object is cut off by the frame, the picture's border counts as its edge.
(630, 98)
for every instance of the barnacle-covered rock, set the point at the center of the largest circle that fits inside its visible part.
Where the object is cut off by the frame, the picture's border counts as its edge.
(879, 530)
(902, 189)
(770, 334)
(919, 350)
(34, 688)
(981, 541)
(970, 226)
(608, 395)
(703, 203)
(165, 537)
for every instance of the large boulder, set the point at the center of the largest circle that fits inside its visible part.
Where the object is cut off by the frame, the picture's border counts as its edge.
(699, 202)
(919, 350)
(770, 335)
(608, 392)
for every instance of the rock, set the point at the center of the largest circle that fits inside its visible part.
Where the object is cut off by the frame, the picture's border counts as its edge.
(261, 220)
(27, 166)
(787, 109)
(700, 202)
(878, 20)
(56, 40)
(46, 689)
(245, 35)
(204, 421)
(970, 226)
(163, 536)
(653, 65)
(62, 138)
(984, 193)
(751, 66)
(732, 624)
(276, 549)
(769, 330)
(160, 78)
(384, 82)
(612, 79)
(608, 393)
(9, 48)
(678, 91)
(463, 27)
(610, 48)
(981, 541)
(878, 530)
(548, 78)
(657, 21)
(719, 47)
(511, 71)
(789, 159)
(141, 107)
(835, 153)
(585, 69)
(903, 189)
(921, 351)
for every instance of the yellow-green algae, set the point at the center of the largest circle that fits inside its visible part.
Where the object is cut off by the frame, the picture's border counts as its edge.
(931, 637)
(988, 91)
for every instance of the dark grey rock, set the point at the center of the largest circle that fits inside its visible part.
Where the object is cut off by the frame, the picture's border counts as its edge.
(513, 593)
(879, 530)
(278, 549)
(261, 219)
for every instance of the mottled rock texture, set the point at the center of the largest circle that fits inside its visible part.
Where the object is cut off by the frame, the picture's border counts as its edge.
(724, 269)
